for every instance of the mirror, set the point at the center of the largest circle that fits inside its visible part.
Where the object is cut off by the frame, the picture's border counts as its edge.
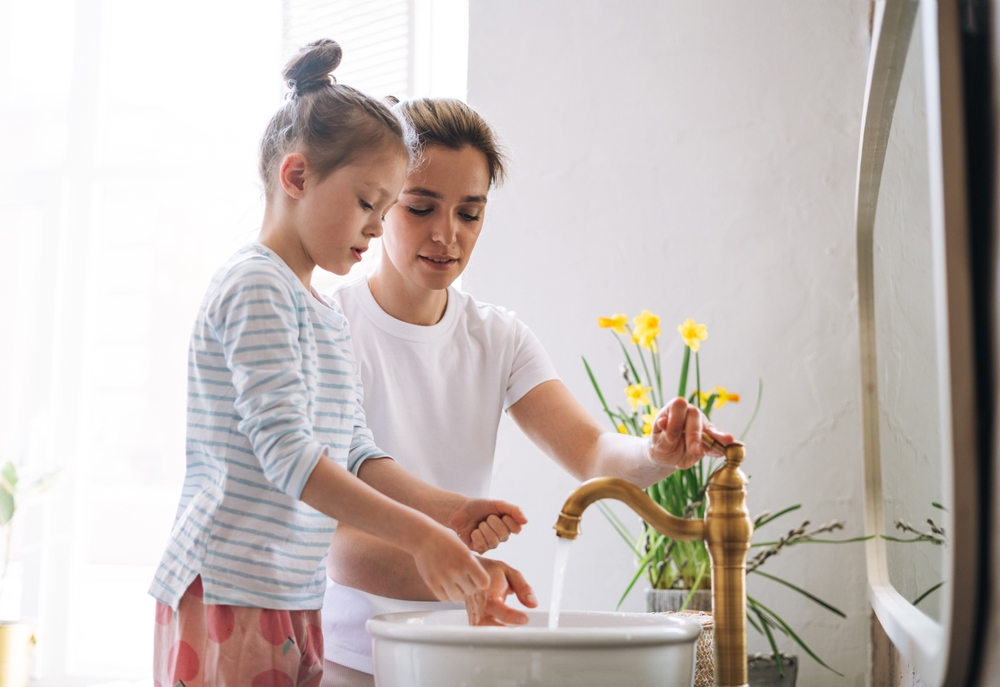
(916, 341)
(909, 359)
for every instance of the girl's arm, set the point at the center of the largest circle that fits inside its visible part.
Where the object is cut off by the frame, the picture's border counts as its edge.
(449, 569)
(481, 523)
(557, 423)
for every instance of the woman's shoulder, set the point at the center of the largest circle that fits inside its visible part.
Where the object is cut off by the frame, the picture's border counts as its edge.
(478, 314)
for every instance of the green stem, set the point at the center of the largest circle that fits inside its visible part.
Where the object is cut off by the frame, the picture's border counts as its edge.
(697, 376)
(682, 387)
(597, 388)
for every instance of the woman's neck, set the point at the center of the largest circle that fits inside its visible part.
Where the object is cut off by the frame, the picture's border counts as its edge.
(403, 300)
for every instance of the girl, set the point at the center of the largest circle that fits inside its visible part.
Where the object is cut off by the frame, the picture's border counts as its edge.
(472, 361)
(275, 423)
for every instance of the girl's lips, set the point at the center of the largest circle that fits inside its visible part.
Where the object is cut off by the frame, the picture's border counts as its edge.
(441, 264)
(356, 252)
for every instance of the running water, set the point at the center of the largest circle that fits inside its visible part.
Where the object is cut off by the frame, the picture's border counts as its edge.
(558, 578)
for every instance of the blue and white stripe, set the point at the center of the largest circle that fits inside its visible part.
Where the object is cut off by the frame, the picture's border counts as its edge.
(272, 386)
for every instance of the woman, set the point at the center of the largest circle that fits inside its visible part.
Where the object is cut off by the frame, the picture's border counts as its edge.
(455, 365)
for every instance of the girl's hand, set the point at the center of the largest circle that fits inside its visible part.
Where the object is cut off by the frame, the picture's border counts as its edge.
(447, 566)
(676, 437)
(484, 523)
(488, 608)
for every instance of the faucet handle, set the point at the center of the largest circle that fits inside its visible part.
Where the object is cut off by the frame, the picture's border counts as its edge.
(734, 452)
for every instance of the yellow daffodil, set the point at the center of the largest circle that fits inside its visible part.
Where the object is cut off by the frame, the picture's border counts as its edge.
(647, 328)
(637, 395)
(725, 397)
(622, 429)
(693, 334)
(647, 421)
(616, 323)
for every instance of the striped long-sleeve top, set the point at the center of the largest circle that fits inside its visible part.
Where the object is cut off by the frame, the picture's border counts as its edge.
(272, 386)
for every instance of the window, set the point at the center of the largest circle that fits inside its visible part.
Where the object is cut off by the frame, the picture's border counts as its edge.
(130, 131)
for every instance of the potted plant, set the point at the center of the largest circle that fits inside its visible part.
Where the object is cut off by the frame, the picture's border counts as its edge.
(16, 637)
(679, 573)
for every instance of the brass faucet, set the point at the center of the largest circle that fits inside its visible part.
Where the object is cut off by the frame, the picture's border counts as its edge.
(726, 529)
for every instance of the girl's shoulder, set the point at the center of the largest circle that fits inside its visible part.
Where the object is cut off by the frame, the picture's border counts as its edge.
(253, 272)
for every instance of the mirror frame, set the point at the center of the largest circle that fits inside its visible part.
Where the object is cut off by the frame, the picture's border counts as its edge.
(941, 654)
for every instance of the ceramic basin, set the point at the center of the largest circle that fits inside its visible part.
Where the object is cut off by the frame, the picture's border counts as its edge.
(439, 649)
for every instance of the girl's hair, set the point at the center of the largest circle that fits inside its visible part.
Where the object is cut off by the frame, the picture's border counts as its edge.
(330, 123)
(453, 124)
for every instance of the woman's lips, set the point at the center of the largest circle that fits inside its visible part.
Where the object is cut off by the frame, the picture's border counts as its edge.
(440, 263)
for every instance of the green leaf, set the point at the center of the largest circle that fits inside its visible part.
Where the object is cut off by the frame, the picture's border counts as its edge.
(938, 506)
(617, 524)
(803, 592)
(927, 593)
(682, 387)
(697, 377)
(597, 388)
(9, 474)
(791, 633)
(777, 515)
(756, 408)
(694, 588)
(6, 506)
(770, 638)
(628, 359)
(641, 569)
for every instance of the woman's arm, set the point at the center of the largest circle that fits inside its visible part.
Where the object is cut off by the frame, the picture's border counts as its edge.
(557, 423)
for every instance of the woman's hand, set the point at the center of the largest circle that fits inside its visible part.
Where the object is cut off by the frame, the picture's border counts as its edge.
(488, 608)
(484, 523)
(676, 437)
(446, 565)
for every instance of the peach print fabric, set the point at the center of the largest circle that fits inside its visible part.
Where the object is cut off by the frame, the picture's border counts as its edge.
(235, 646)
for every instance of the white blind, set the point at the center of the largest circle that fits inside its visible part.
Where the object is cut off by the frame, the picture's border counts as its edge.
(374, 34)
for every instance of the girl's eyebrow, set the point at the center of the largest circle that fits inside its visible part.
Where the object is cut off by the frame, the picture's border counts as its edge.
(427, 193)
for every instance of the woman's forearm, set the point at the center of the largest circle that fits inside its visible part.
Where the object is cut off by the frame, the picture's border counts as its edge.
(391, 479)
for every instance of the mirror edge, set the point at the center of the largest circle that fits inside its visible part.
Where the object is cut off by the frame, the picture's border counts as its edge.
(941, 653)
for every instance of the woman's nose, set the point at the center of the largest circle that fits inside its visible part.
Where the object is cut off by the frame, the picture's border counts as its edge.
(445, 232)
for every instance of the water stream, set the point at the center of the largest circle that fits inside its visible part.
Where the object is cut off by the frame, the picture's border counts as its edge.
(558, 579)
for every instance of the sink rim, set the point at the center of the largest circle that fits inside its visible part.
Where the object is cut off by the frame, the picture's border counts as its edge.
(665, 630)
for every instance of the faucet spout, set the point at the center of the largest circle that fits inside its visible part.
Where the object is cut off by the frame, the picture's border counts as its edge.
(726, 529)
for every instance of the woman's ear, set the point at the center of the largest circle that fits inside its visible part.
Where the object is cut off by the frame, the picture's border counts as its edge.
(292, 174)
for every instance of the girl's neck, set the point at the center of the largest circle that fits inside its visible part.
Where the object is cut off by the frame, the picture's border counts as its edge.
(405, 301)
(283, 242)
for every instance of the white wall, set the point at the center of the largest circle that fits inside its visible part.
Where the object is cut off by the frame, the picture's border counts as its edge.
(698, 160)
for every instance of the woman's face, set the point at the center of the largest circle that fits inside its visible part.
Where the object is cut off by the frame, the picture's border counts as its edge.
(431, 231)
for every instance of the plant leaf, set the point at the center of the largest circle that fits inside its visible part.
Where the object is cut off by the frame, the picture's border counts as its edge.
(938, 506)
(9, 474)
(927, 593)
(616, 524)
(776, 516)
(760, 395)
(770, 639)
(597, 388)
(803, 592)
(791, 633)
(682, 386)
(641, 568)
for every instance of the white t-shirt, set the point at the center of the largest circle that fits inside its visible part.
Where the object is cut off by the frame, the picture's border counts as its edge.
(433, 398)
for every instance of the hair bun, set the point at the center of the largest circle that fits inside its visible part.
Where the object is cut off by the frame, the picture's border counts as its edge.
(312, 66)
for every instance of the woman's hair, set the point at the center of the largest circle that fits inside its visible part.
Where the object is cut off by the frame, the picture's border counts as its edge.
(453, 124)
(330, 123)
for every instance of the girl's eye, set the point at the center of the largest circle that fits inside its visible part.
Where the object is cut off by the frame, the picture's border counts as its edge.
(419, 212)
(366, 205)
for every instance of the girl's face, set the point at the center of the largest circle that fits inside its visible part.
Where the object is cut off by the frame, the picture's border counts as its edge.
(431, 231)
(338, 215)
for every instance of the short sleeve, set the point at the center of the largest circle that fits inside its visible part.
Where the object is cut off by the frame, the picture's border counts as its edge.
(530, 366)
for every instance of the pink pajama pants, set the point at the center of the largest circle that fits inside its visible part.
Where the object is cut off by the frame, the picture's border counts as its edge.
(201, 645)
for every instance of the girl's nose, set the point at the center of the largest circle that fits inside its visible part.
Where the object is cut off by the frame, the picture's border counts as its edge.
(374, 227)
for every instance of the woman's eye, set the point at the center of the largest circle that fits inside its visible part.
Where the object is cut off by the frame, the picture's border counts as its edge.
(470, 218)
(419, 212)
(366, 205)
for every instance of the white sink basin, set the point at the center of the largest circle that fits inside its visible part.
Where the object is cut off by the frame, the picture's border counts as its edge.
(439, 649)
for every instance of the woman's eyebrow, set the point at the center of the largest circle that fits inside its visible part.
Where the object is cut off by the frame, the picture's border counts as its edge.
(427, 193)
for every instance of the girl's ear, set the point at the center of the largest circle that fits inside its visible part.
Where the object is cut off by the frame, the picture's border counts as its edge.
(292, 174)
